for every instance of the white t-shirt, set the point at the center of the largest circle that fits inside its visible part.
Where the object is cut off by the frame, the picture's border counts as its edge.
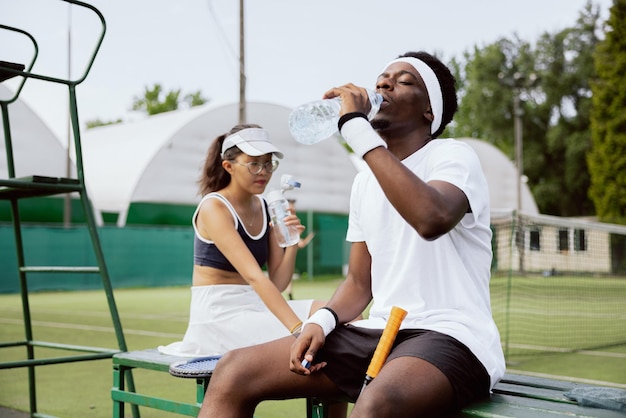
(443, 284)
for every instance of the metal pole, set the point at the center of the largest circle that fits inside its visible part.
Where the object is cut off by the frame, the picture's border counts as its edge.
(311, 248)
(242, 68)
(520, 170)
(67, 200)
(518, 148)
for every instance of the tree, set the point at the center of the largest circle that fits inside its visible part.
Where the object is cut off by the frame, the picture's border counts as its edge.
(551, 81)
(607, 158)
(195, 99)
(94, 123)
(487, 89)
(153, 101)
(566, 60)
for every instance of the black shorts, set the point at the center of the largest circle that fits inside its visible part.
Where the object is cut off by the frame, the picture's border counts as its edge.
(349, 349)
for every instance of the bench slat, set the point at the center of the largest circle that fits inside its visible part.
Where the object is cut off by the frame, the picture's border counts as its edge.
(501, 405)
(150, 359)
(539, 382)
(540, 393)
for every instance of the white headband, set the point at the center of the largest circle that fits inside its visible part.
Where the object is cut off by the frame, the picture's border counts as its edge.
(433, 88)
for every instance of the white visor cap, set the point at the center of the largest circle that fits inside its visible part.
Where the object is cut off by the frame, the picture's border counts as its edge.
(252, 141)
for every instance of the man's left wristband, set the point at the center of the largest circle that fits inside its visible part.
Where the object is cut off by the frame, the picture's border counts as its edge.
(325, 318)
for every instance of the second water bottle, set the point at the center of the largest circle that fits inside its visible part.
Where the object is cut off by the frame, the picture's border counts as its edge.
(279, 208)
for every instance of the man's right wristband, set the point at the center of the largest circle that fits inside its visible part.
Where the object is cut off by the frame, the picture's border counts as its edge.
(361, 137)
(348, 116)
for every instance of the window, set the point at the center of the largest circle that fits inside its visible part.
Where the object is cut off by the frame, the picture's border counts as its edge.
(519, 238)
(580, 240)
(563, 239)
(535, 239)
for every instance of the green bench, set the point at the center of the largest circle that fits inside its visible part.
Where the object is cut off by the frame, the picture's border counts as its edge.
(525, 396)
(514, 396)
(124, 363)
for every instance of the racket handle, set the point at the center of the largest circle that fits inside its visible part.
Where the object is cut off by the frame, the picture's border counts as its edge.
(386, 341)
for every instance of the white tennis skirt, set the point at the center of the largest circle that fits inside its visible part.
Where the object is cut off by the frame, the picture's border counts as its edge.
(225, 317)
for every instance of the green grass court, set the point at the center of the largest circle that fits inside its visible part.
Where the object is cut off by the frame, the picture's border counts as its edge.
(546, 321)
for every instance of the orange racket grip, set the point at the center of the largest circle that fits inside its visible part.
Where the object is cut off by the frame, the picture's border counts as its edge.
(386, 341)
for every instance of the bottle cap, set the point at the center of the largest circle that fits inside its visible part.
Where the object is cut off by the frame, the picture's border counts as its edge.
(287, 182)
(274, 195)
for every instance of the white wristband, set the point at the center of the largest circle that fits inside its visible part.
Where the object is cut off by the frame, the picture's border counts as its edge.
(361, 137)
(324, 318)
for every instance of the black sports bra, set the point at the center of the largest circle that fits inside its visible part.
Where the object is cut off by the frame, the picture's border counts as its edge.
(206, 253)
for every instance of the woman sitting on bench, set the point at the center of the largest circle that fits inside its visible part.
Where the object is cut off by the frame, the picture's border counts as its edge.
(234, 303)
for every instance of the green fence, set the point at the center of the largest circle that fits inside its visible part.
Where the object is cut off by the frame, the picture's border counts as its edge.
(139, 256)
(136, 256)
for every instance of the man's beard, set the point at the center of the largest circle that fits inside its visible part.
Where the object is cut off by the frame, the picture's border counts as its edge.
(380, 125)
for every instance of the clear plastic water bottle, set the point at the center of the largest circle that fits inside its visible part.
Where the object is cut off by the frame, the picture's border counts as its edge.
(316, 121)
(279, 209)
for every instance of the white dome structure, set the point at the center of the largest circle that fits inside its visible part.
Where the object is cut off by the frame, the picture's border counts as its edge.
(501, 176)
(36, 149)
(159, 159)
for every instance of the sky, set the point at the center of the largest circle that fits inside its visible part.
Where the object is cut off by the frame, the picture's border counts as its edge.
(295, 50)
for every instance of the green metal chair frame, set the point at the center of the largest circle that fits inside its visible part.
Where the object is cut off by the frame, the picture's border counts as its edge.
(13, 189)
(152, 360)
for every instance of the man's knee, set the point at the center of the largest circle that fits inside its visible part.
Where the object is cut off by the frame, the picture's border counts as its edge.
(373, 403)
(230, 370)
